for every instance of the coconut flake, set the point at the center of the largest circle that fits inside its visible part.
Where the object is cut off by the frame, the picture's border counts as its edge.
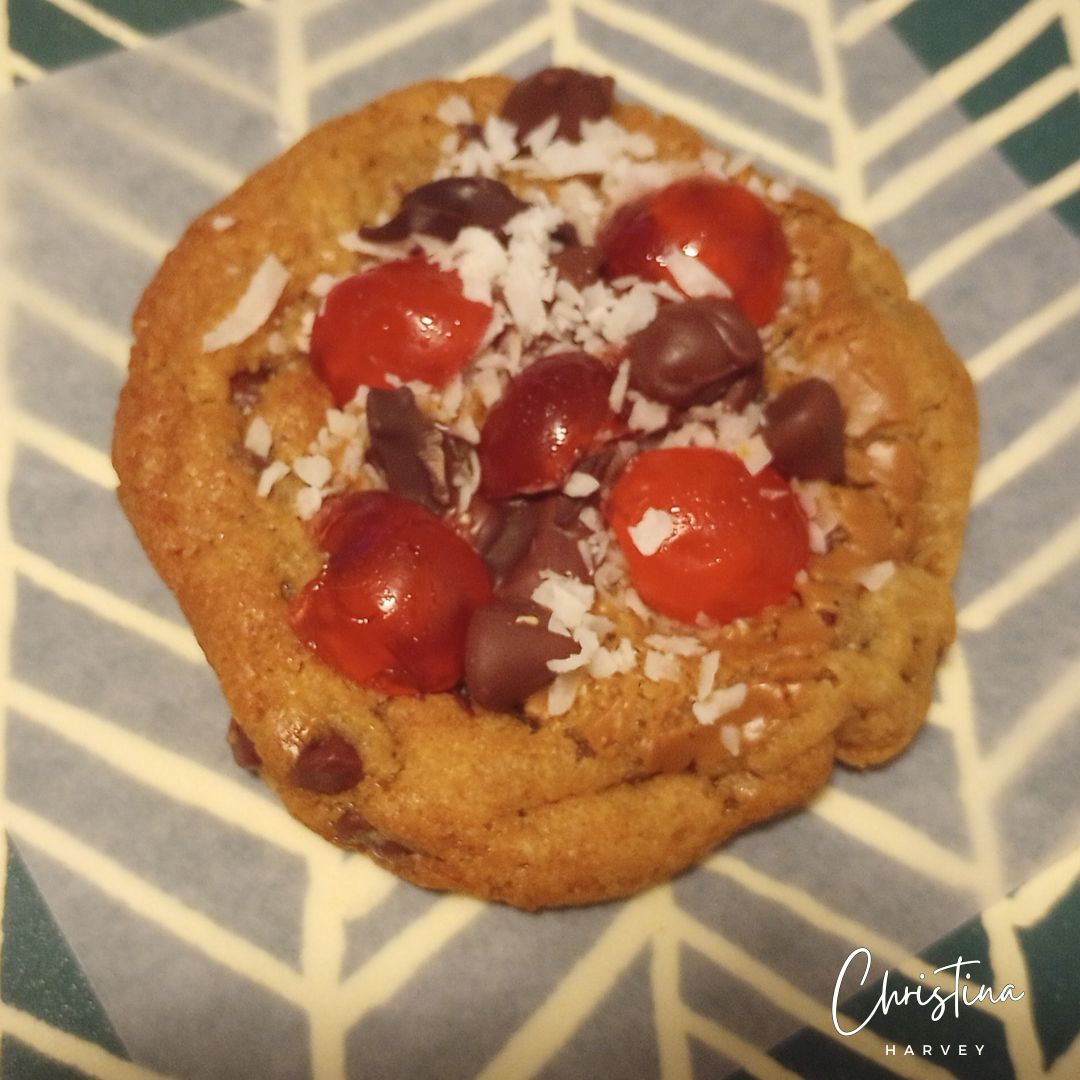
(661, 666)
(580, 485)
(313, 469)
(270, 476)
(719, 702)
(308, 502)
(253, 308)
(730, 736)
(455, 110)
(694, 277)
(222, 222)
(652, 530)
(873, 577)
(707, 669)
(617, 394)
(259, 438)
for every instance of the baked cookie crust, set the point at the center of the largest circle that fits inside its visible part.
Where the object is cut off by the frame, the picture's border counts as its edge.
(626, 788)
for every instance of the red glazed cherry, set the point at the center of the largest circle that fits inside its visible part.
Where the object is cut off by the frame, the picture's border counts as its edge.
(548, 418)
(405, 318)
(719, 222)
(392, 604)
(727, 544)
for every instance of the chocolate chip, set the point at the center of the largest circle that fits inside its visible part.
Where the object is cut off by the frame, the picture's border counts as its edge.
(554, 545)
(502, 531)
(444, 207)
(328, 764)
(506, 653)
(578, 264)
(354, 829)
(417, 458)
(804, 431)
(572, 96)
(245, 387)
(697, 352)
(243, 749)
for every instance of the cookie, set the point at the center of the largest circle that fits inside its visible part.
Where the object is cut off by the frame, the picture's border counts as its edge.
(542, 532)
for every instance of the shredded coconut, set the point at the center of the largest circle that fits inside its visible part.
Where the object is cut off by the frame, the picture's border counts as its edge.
(873, 577)
(652, 530)
(580, 485)
(259, 438)
(222, 222)
(253, 308)
(661, 666)
(719, 703)
(313, 469)
(270, 476)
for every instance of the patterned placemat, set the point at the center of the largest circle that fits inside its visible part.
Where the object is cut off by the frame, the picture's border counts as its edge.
(951, 127)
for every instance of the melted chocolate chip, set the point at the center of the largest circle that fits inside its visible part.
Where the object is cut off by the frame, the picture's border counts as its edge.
(804, 431)
(502, 531)
(578, 264)
(572, 96)
(416, 457)
(245, 387)
(553, 545)
(697, 352)
(328, 764)
(507, 650)
(353, 829)
(243, 749)
(444, 207)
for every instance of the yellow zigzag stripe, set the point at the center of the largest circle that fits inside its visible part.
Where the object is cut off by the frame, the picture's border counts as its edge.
(156, 906)
(167, 772)
(716, 124)
(958, 702)
(1023, 579)
(424, 21)
(383, 976)
(1025, 334)
(76, 102)
(86, 329)
(947, 85)
(83, 460)
(582, 988)
(891, 836)
(1038, 724)
(971, 243)
(867, 18)
(109, 218)
(707, 56)
(505, 51)
(752, 1058)
(1028, 448)
(107, 605)
(908, 185)
(69, 1049)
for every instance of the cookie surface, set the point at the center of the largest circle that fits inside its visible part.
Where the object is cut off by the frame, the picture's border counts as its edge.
(627, 785)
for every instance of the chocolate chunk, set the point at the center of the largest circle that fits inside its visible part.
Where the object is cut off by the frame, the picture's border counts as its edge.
(570, 95)
(416, 457)
(579, 264)
(328, 764)
(444, 207)
(553, 545)
(804, 430)
(502, 531)
(245, 387)
(354, 829)
(697, 352)
(506, 653)
(243, 749)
